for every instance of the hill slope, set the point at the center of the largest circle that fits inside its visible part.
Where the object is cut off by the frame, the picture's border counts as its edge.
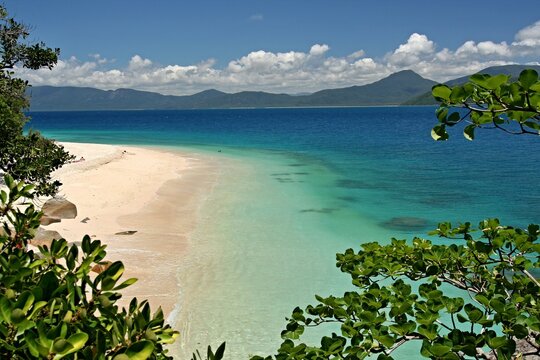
(392, 90)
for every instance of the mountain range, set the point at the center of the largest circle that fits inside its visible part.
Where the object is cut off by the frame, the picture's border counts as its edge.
(401, 88)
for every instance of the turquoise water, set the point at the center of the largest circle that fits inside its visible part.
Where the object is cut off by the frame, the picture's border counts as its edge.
(299, 185)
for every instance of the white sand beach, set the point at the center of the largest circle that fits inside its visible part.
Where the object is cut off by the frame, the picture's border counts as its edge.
(154, 193)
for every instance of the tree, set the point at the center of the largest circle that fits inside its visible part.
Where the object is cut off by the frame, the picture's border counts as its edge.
(62, 300)
(26, 157)
(491, 102)
(476, 298)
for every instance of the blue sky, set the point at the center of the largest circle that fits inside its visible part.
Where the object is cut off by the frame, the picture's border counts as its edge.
(181, 47)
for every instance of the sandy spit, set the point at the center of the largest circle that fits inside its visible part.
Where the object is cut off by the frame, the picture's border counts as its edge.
(154, 194)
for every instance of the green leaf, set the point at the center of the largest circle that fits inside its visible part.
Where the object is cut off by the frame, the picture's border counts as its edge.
(497, 304)
(121, 357)
(468, 132)
(527, 78)
(454, 118)
(441, 92)
(36, 349)
(76, 342)
(5, 309)
(140, 350)
(497, 342)
(61, 346)
(25, 301)
(489, 82)
(125, 284)
(439, 133)
(439, 350)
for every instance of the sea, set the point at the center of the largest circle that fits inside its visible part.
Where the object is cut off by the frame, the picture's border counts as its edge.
(298, 186)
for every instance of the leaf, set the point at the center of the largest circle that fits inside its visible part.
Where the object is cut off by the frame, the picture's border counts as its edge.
(61, 346)
(527, 78)
(76, 342)
(439, 133)
(141, 350)
(5, 309)
(26, 299)
(220, 352)
(35, 348)
(439, 350)
(468, 132)
(497, 342)
(441, 92)
(453, 119)
(489, 82)
(497, 304)
(125, 284)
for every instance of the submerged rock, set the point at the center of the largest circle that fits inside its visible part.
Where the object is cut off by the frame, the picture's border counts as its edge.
(320, 211)
(406, 223)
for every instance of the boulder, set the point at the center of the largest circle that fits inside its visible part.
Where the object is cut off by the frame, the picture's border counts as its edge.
(45, 237)
(59, 208)
(46, 220)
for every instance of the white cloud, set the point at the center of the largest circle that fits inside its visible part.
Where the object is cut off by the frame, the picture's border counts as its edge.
(529, 36)
(416, 44)
(357, 54)
(137, 63)
(293, 71)
(484, 48)
(256, 17)
(416, 48)
(318, 50)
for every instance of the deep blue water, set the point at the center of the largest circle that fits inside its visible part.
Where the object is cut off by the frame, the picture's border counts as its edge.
(384, 159)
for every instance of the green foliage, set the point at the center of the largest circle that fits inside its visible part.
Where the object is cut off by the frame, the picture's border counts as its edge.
(495, 314)
(52, 305)
(26, 157)
(490, 102)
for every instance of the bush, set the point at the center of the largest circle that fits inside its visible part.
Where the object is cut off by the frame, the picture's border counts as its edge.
(53, 306)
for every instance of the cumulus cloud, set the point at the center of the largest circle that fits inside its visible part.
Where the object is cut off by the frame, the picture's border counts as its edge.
(293, 71)
(318, 50)
(417, 46)
(529, 36)
(137, 63)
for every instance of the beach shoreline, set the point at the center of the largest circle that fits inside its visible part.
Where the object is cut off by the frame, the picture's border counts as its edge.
(143, 203)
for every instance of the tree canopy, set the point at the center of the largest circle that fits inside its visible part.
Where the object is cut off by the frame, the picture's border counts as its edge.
(490, 102)
(61, 300)
(30, 157)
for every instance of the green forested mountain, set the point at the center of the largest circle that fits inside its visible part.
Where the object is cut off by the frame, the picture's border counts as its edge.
(402, 88)
(392, 90)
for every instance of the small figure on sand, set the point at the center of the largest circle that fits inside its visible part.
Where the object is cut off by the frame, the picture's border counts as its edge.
(79, 160)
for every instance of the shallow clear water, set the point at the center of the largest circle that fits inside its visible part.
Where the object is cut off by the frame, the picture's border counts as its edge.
(299, 185)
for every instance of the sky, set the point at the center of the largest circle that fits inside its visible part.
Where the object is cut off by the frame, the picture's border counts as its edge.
(282, 46)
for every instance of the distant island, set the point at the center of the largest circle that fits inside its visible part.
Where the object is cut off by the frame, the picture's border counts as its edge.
(401, 88)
